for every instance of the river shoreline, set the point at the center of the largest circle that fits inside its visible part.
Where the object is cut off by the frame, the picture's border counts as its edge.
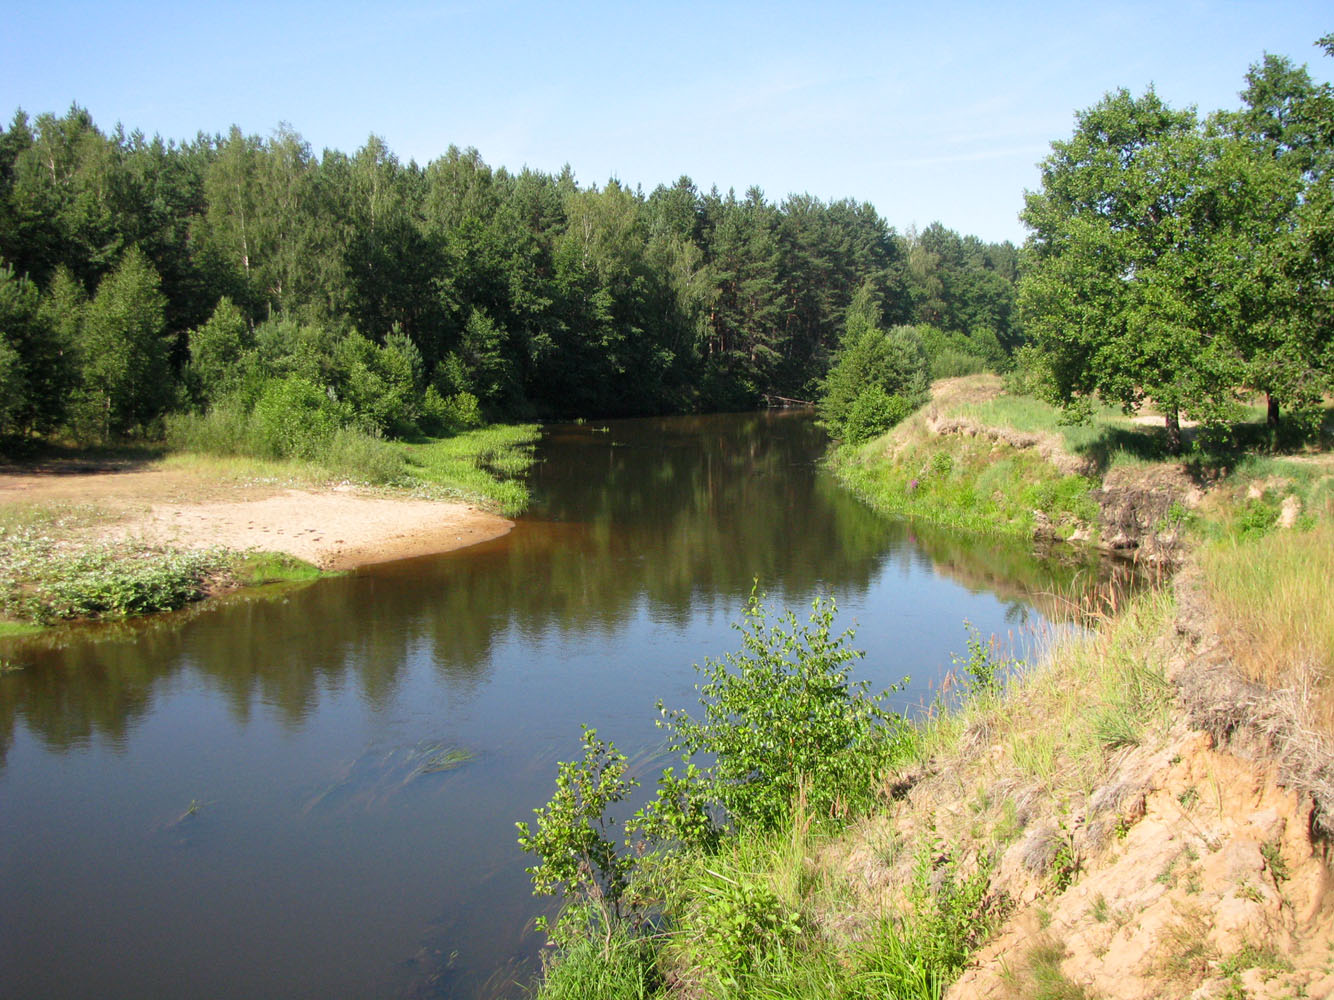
(64, 527)
(336, 527)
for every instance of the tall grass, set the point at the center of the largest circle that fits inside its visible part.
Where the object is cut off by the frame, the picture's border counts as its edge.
(479, 466)
(1090, 695)
(965, 482)
(625, 968)
(339, 451)
(1273, 591)
(1107, 437)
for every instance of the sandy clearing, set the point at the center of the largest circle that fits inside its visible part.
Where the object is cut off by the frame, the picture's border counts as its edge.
(334, 528)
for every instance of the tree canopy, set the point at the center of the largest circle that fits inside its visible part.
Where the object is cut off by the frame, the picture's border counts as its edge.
(234, 258)
(1179, 258)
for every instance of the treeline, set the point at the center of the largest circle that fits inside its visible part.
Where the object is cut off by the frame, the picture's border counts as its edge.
(1189, 259)
(141, 277)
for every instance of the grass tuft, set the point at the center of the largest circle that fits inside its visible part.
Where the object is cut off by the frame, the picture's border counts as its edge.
(1274, 593)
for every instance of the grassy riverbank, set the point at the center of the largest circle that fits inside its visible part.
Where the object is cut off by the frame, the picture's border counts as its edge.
(1142, 813)
(57, 563)
(482, 466)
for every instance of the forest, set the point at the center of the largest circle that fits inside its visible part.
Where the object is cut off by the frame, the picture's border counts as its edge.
(240, 293)
(248, 279)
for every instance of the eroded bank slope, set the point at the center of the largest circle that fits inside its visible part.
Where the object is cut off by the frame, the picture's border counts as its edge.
(1154, 818)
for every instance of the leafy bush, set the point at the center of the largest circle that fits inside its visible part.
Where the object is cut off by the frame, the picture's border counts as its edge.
(104, 582)
(783, 714)
(739, 919)
(868, 359)
(874, 412)
(293, 418)
(953, 353)
(578, 860)
(1256, 517)
(459, 412)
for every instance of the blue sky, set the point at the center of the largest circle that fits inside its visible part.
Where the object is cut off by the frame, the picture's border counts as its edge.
(935, 111)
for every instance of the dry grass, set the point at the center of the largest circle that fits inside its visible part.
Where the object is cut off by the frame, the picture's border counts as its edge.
(1092, 695)
(1040, 977)
(1273, 592)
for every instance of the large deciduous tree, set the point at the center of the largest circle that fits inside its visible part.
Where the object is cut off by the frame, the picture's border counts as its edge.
(1117, 293)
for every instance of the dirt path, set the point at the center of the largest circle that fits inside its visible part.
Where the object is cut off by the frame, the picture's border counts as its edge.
(334, 528)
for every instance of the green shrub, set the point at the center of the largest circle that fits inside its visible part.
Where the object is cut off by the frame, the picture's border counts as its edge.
(1256, 517)
(738, 919)
(464, 412)
(873, 412)
(870, 358)
(578, 859)
(293, 418)
(783, 714)
(105, 582)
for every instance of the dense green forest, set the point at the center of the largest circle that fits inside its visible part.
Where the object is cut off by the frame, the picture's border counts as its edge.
(241, 293)
(143, 277)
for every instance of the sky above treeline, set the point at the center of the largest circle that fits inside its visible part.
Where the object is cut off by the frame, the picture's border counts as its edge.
(931, 112)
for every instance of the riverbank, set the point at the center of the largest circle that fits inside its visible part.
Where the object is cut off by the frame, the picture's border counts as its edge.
(1156, 802)
(1146, 812)
(115, 537)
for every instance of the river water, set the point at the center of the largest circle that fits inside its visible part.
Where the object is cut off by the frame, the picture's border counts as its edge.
(312, 792)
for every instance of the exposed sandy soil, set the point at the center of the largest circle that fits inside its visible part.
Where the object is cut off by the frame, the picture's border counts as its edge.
(334, 528)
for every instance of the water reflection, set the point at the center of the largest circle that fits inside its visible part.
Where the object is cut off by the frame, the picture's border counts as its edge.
(683, 514)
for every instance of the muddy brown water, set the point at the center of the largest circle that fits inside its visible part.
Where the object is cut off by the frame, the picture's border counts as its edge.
(312, 792)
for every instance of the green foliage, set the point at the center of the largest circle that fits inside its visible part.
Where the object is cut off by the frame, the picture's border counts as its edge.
(877, 378)
(955, 353)
(967, 482)
(481, 465)
(124, 355)
(787, 739)
(678, 816)
(293, 418)
(42, 584)
(382, 386)
(623, 968)
(1066, 863)
(460, 412)
(1256, 517)
(1271, 851)
(783, 715)
(35, 371)
(919, 953)
(739, 921)
(1066, 495)
(874, 412)
(1174, 258)
(255, 569)
(578, 859)
(984, 673)
(532, 295)
(218, 351)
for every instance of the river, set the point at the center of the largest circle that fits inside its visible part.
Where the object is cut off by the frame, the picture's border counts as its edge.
(312, 792)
